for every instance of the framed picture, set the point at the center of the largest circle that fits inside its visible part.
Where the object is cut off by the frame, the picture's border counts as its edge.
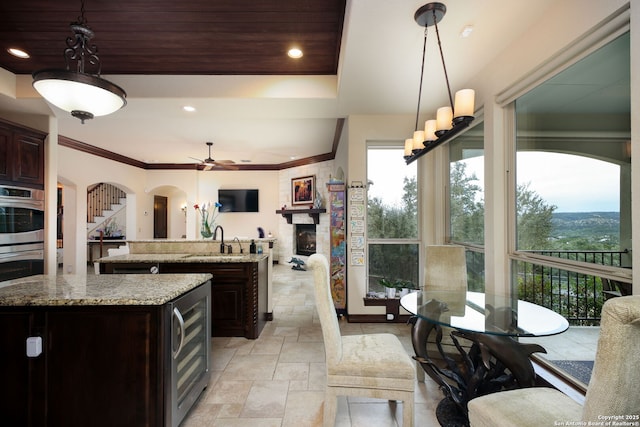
(303, 190)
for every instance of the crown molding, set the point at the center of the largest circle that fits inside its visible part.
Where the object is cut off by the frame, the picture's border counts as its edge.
(110, 155)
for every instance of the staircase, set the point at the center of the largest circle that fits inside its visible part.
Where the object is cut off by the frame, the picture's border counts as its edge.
(104, 201)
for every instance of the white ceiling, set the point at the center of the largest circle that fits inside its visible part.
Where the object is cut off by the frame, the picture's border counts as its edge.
(270, 119)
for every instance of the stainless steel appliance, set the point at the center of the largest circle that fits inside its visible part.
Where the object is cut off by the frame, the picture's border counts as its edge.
(21, 232)
(190, 351)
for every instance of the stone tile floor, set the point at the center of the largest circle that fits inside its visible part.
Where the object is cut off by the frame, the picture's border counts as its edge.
(279, 379)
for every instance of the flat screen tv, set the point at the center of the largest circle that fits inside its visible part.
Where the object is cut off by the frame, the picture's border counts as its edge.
(238, 200)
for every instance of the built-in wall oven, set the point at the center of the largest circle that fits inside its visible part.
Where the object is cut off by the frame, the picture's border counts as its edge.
(21, 232)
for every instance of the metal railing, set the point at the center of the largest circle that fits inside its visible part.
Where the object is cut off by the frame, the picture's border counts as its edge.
(576, 296)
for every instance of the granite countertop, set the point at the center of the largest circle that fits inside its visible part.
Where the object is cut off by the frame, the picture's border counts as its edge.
(201, 240)
(104, 289)
(183, 258)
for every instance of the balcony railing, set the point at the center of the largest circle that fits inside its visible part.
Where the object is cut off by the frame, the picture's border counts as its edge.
(576, 296)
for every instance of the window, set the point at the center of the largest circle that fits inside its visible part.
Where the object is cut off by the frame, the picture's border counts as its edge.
(466, 200)
(466, 193)
(573, 163)
(572, 192)
(392, 216)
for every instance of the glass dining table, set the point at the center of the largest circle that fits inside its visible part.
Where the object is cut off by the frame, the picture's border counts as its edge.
(491, 324)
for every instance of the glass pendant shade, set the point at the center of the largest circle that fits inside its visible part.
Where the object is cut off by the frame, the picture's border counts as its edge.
(82, 95)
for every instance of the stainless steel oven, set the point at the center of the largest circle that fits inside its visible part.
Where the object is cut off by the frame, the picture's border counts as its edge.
(21, 232)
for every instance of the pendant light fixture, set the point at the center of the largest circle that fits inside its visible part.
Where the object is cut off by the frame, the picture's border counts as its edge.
(83, 94)
(450, 120)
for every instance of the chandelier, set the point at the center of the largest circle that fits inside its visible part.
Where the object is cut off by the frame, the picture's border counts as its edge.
(85, 95)
(450, 120)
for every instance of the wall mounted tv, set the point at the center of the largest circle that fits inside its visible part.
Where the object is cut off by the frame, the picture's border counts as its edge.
(238, 200)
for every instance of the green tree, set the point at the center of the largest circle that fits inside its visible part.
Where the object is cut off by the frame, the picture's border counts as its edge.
(394, 222)
(534, 219)
(395, 260)
(466, 206)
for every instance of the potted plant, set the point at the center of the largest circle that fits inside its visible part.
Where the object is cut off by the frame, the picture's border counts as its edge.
(393, 286)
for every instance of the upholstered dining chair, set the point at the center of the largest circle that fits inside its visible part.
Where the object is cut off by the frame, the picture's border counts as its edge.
(370, 365)
(612, 390)
(445, 269)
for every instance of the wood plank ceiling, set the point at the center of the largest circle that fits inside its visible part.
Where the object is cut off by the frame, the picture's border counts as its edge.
(179, 37)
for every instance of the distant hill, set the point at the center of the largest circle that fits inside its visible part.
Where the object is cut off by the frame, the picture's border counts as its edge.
(593, 226)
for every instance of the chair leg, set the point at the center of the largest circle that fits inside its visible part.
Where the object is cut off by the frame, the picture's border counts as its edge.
(330, 403)
(407, 412)
(419, 372)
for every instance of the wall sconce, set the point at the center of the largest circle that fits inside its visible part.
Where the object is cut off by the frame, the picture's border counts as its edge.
(183, 208)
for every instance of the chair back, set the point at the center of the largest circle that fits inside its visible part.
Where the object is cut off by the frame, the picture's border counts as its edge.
(613, 388)
(445, 267)
(326, 309)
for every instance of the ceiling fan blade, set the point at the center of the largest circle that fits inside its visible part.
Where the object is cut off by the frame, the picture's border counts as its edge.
(198, 160)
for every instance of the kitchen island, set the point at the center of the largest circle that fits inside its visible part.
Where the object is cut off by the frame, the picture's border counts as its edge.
(101, 350)
(239, 289)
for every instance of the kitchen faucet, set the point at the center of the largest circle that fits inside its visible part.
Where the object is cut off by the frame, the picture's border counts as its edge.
(215, 233)
(235, 239)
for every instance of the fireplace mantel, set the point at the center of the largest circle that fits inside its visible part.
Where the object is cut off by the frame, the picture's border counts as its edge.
(313, 213)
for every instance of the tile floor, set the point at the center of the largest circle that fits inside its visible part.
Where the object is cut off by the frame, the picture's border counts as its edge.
(278, 379)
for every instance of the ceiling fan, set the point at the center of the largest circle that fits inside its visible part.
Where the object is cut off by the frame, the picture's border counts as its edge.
(210, 163)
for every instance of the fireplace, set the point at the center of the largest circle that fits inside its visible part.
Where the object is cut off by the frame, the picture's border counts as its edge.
(305, 239)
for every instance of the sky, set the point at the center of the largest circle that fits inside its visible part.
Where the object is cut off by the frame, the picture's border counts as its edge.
(571, 183)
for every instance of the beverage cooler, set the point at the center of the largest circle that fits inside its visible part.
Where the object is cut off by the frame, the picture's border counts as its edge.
(190, 351)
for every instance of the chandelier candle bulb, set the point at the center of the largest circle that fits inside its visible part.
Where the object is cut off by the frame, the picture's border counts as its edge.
(408, 146)
(444, 118)
(464, 103)
(430, 130)
(418, 139)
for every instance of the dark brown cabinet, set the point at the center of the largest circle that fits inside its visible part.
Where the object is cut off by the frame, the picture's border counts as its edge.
(22, 378)
(105, 365)
(93, 359)
(21, 156)
(238, 295)
(238, 292)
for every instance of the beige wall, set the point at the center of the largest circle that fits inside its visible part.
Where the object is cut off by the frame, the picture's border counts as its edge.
(78, 170)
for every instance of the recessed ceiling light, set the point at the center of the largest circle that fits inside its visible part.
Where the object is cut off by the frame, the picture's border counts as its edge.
(189, 108)
(295, 53)
(466, 31)
(19, 53)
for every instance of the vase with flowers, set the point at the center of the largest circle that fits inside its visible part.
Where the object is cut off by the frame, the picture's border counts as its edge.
(208, 214)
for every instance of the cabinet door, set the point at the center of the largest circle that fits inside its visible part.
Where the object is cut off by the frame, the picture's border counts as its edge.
(6, 154)
(29, 159)
(21, 156)
(22, 377)
(228, 317)
(104, 367)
